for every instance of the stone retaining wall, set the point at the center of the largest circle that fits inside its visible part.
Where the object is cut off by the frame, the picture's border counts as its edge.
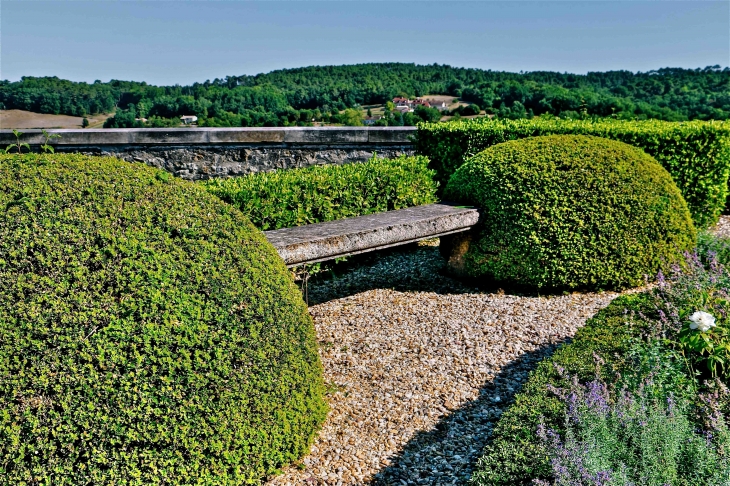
(202, 153)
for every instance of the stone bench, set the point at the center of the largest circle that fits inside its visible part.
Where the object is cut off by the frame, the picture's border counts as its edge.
(325, 241)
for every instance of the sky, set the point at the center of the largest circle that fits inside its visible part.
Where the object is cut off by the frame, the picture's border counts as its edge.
(181, 42)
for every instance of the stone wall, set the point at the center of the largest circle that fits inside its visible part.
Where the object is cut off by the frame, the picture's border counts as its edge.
(202, 153)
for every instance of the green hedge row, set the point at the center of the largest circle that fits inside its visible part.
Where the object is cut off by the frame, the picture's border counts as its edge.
(696, 154)
(515, 456)
(295, 197)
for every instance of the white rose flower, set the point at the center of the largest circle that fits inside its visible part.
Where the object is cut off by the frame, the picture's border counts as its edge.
(702, 321)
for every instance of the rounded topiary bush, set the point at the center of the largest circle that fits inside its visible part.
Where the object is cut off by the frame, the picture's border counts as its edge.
(149, 334)
(570, 212)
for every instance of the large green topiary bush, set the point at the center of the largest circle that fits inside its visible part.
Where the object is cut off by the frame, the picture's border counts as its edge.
(149, 334)
(569, 212)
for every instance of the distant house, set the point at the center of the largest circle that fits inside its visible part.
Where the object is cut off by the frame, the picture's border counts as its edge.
(188, 119)
(402, 103)
(439, 105)
(370, 120)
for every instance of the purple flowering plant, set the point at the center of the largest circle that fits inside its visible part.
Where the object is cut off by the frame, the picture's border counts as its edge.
(633, 433)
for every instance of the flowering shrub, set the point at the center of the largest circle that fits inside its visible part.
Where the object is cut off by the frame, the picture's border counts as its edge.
(641, 436)
(694, 302)
(638, 336)
(658, 429)
(515, 454)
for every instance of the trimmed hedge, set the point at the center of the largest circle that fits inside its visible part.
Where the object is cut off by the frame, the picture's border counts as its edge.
(515, 455)
(696, 154)
(148, 333)
(296, 197)
(571, 212)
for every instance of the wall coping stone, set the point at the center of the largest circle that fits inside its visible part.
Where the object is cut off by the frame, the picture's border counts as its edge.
(217, 136)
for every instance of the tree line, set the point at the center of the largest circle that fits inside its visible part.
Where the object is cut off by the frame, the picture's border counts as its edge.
(335, 94)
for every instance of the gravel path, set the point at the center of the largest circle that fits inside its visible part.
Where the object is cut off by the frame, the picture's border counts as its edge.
(722, 228)
(421, 366)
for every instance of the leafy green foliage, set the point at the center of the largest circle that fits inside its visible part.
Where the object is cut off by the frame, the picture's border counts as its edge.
(295, 197)
(350, 117)
(295, 96)
(710, 245)
(631, 340)
(46, 147)
(571, 211)
(18, 145)
(711, 349)
(696, 154)
(149, 334)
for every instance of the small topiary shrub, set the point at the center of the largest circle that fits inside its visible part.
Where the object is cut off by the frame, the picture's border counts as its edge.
(569, 212)
(149, 334)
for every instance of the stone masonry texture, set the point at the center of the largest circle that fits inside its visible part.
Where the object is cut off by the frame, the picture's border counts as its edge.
(204, 153)
(224, 161)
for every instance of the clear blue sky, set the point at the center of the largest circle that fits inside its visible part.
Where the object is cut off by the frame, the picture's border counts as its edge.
(168, 42)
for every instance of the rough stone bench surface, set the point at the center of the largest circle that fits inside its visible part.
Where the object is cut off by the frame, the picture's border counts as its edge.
(325, 241)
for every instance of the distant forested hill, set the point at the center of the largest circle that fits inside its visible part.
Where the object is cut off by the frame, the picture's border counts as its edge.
(297, 96)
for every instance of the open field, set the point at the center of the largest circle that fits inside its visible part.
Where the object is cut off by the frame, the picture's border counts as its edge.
(28, 119)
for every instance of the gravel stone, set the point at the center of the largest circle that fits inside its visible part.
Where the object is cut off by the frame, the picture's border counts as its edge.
(722, 228)
(421, 366)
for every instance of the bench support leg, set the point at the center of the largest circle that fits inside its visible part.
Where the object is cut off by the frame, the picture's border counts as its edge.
(453, 248)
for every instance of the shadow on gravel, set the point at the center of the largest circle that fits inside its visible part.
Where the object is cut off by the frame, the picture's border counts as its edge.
(408, 268)
(417, 267)
(447, 454)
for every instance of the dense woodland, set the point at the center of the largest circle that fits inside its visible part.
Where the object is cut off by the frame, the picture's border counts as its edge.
(334, 94)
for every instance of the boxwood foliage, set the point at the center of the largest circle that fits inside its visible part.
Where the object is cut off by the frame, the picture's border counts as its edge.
(570, 212)
(149, 334)
(696, 154)
(515, 455)
(295, 197)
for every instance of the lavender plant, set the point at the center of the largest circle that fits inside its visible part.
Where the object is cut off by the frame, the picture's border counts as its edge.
(710, 245)
(628, 437)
